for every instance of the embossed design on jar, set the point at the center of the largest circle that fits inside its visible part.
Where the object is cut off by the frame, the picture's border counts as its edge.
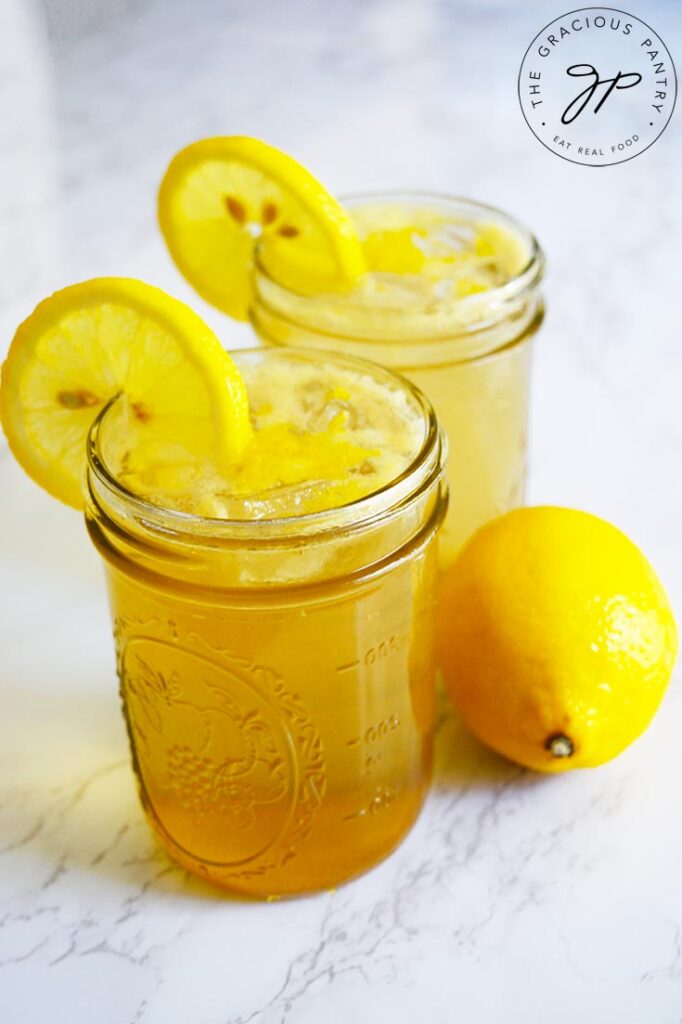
(229, 763)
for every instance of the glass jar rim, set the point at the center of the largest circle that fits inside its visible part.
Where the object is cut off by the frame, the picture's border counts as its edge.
(518, 285)
(388, 500)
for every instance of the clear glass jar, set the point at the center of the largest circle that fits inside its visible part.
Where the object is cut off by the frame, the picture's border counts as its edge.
(470, 355)
(277, 676)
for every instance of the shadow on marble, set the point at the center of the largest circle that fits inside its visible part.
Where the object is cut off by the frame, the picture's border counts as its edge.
(72, 810)
(462, 761)
(38, 535)
(71, 807)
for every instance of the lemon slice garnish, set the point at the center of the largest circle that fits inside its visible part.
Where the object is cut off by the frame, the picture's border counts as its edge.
(220, 196)
(92, 341)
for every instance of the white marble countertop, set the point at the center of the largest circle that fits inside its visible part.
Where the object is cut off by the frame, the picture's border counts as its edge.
(516, 897)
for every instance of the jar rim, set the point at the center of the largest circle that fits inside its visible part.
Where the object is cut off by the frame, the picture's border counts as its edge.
(388, 500)
(516, 287)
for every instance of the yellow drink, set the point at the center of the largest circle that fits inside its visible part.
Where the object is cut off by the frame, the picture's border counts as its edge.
(451, 299)
(275, 641)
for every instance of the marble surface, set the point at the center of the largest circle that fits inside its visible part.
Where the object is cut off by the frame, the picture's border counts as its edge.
(515, 898)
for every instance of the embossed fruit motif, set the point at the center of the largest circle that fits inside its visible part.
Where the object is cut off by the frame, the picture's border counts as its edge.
(213, 753)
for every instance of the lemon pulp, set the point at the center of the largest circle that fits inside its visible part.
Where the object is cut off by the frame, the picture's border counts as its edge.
(324, 435)
(428, 271)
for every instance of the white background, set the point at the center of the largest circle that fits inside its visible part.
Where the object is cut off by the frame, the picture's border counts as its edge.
(516, 898)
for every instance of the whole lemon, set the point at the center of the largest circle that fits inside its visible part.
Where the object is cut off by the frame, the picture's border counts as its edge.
(556, 638)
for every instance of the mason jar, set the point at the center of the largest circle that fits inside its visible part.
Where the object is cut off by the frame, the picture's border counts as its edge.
(471, 355)
(277, 675)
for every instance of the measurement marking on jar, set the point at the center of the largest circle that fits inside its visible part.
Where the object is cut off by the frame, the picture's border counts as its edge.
(376, 653)
(381, 799)
(377, 731)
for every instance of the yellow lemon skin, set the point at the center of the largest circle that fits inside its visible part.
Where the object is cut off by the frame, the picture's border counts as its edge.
(556, 638)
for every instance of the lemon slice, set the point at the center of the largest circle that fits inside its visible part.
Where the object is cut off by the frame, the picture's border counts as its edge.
(92, 341)
(220, 196)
